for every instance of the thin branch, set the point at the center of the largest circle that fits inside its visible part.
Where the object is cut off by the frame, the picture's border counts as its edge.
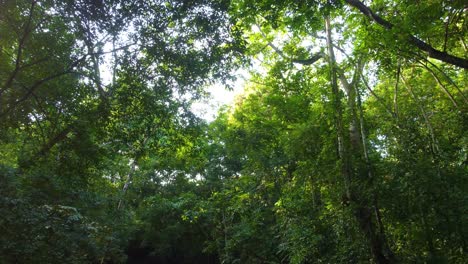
(27, 30)
(378, 98)
(449, 95)
(309, 61)
(33, 88)
(434, 146)
(463, 43)
(56, 139)
(445, 75)
(41, 129)
(395, 93)
(54, 76)
(24, 66)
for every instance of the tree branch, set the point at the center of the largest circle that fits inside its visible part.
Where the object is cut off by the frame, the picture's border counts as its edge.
(27, 30)
(69, 70)
(431, 51)
(441, 84)
(309, 61)
(378, 98)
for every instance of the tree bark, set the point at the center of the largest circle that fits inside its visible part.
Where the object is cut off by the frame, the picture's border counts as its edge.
(127, 182)
(342, 150)
(362, 211)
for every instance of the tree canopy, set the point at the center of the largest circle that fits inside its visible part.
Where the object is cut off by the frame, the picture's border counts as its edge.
(348, 144)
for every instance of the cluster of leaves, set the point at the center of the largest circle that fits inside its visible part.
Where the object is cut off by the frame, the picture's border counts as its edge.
(94, 97)
(279, 190)
(49, 233)
(354, 158)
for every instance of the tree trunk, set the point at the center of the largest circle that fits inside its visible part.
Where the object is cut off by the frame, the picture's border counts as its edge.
(342, 150)
(363, 211)
(127, 182)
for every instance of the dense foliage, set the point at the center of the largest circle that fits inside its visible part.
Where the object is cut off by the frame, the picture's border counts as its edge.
(348, 145)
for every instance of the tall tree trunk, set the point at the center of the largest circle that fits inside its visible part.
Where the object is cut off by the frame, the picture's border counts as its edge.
(127, 182)
(363, 211)
(338, 115)
(370, 171)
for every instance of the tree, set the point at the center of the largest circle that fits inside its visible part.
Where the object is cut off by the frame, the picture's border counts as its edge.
(348, 144)
(73, 129)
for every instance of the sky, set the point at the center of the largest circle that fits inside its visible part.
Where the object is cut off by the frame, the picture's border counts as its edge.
(219, 96)
(205, 108)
